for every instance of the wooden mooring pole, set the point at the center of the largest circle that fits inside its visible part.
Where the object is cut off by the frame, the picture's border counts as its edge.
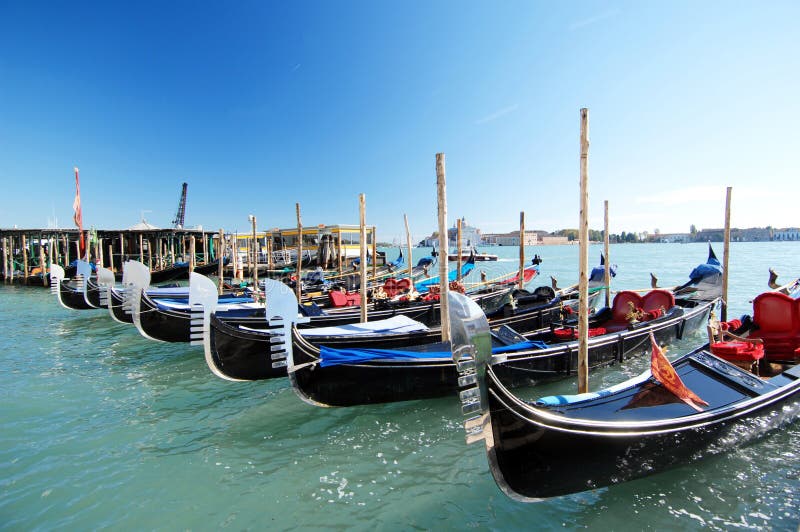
(607, 275)
(362, 225)
(521, 250)
(726, 255)
(441, 201)
(221, 261)
(583, 280)
(408, 245)
(458, 248)
(298, 270)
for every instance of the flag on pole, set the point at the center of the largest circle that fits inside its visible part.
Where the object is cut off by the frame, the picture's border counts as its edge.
(78, 216)
(663, 371)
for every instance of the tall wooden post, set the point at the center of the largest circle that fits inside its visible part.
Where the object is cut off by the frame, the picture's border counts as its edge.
(255, 254)
(408, 245)
(111, 257)
(221, 261)
(607, 275)
(340, 251)
(192, 243)
(25, 267)
(521, 250)
(205, 249)
(66, 251)
(583, 281)
(458, 248)
(42, 263)
(5, 259)
(362, 225)
(270, 266)
(141, 248)
(726, 255)
(441, 195)
(172, 248)
(150, 254)
(234, 256)
(121, 249)
(55, 257)
(298, 287)
(374, 253)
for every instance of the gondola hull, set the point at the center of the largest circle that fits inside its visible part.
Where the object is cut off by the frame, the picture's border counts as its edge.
(71, 296)
(402, 380)
(243, 353)
(533, 455)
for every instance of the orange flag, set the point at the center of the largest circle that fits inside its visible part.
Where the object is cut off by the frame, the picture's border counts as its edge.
(663, 371)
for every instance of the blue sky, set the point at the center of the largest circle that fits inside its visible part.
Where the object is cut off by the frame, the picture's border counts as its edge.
(259, 105)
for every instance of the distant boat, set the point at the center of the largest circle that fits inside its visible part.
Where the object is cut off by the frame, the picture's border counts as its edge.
(472, 251)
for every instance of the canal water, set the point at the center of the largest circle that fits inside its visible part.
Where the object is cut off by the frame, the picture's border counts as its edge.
(102, 428)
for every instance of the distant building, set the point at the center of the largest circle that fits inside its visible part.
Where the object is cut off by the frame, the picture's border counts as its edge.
(470, 236)
(554, 240)
(790, 233)
(512, 238)
(672, 238)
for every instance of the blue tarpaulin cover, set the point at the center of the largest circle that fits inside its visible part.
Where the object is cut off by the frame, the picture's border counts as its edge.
(330, 356)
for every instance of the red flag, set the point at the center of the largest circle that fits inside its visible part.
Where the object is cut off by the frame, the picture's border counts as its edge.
(78, 216)
(663, 371)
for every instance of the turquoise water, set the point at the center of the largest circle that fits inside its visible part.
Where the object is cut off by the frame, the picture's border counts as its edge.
(103, 428)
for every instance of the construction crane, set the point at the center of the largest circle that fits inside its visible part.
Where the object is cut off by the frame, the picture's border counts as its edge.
(177, 223)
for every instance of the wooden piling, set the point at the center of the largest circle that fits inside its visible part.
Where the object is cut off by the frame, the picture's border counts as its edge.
(409, 259)
(141, 248)
(521, 250)
(206, 258)
(726, 255)
(25, 267)
(458, 248)
(42, 262)
(5, 260)
(362, 225)
(441, 195)
(221, 261)
(121, 250)
(255, 255)
(374, 253)
(607, 275)
(341, 271)
(192, 242)
(298, 270)
(583, 279)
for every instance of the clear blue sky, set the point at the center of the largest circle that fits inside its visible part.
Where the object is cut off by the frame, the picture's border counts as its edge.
(258, 105)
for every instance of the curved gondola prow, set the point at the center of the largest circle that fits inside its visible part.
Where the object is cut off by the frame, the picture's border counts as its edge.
(281, 312)
(57, 275)
(203, 299)
(84, 272)
(105, 279)
(138, 280)
(471, 346)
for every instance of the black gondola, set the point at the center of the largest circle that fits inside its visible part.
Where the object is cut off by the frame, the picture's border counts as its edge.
(566, 444)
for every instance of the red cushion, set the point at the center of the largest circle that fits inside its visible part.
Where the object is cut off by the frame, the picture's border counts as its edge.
(730, 325)
(778, 319)
(620, 308)
(337, 298)
(658, 299)
(740, 351)
(775, 313)
(353, 299)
